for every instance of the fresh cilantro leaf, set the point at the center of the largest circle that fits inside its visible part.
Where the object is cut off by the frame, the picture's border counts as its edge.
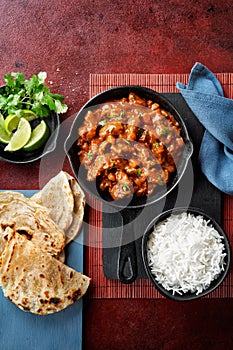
(18, 78)
(8, 79)
(38, 96)
(102, 122)
(57, 97)
(48, 100)
(90, 155)
(59, 107)
(13, 100)
(165, 131)
(3, 102)
(41, 77)
(20, 93)
(29, 86)
(40, 110)
(125, 188)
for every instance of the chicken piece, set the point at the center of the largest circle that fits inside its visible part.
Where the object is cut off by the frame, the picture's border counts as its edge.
(133, 98)
(121, 189)
(131, 132)
(159, 151)
(111, 128)
(87, 133)
(102, 162)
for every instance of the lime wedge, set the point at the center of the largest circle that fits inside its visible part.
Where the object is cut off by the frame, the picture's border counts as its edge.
(4, 137)
(11, 123)
(29, 115)
(1, 120)
(20, 137)
(39, 136)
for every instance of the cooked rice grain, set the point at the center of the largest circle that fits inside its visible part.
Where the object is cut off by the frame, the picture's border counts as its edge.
(185, 253)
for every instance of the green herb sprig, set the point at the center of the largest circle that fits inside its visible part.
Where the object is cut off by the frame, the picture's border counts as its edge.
(165, 131)
(125, 188)
(32, 94)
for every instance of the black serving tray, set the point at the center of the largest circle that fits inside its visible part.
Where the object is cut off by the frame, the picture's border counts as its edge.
(193, 190)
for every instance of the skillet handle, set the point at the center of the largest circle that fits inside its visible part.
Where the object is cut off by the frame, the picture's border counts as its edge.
(127, 263)
(127, 269)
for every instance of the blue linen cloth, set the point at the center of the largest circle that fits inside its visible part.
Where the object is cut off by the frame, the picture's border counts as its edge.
(204, 95)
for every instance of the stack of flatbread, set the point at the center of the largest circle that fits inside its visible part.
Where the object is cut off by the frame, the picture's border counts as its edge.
(33, 234)
(65, 200)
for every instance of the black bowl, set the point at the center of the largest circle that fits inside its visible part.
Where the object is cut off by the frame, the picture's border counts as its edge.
(23, 157)
(116, 94)
(188, 295)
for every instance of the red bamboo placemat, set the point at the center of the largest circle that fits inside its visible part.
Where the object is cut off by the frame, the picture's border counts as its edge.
(101, 287)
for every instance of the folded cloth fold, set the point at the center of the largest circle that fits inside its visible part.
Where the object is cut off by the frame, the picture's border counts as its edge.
(204, 95)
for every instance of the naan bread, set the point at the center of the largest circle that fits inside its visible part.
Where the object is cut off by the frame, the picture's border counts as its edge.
(35, 281)
(65, 200)
(31, 220)
(57, 196)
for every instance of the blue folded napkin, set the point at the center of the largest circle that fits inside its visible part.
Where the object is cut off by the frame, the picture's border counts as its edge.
(205, 97)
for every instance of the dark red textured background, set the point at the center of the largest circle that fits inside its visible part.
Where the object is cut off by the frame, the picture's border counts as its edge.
(70, 39)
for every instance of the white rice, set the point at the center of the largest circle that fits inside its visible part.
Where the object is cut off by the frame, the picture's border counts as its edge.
(185, 253)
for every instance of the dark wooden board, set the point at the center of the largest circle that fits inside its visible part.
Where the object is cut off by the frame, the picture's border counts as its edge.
(194, 190)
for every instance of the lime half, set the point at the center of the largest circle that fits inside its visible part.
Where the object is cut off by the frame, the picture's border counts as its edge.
(11, 123)
(38, 137)
(20, 137)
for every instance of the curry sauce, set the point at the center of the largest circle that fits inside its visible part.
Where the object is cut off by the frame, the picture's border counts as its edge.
(130, 145)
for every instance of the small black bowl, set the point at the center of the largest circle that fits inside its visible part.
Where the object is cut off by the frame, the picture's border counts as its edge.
(23, 157)
(188, 295)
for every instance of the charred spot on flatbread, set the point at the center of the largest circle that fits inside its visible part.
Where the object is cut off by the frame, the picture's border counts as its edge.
(76, 295)
(55, 300)
(26, 234)
(31, 220)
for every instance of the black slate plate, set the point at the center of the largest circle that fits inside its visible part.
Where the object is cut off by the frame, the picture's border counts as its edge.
(202, 195)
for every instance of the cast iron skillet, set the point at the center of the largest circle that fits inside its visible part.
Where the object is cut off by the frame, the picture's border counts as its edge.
(130, 209)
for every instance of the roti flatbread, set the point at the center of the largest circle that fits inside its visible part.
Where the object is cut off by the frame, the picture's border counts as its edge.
(35, 281)
(57, 196)
(65, 201)
(3, 239)
(78, 212)
(30, 220)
